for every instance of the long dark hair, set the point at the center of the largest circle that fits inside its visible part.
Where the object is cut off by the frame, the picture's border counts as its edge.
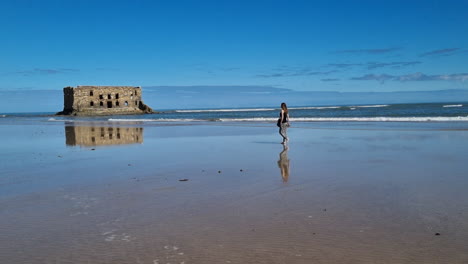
(284, 107)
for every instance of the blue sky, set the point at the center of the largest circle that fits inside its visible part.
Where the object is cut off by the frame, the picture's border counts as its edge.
(347, 46)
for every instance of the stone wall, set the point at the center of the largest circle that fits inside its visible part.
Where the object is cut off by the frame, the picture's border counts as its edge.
(103, 100)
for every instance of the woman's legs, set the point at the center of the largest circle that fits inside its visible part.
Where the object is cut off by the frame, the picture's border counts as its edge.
(283, 132)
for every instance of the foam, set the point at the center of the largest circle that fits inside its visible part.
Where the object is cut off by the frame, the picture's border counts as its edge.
(157, 120)
(457, 105)
(314, 107)
(382, 119)
(225, 110)
(369, 106)
(310, 119)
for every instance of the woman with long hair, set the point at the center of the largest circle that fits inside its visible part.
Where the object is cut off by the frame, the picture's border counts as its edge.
(283, 123)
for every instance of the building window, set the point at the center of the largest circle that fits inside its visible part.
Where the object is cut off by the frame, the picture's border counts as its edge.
(117, 103)
(101, 96)
(93, 139)
(91, 93)
(116, 96)
(126, 103)
(136, 102)
(109, 104)
(101, 104)
(109, 96)
(91, 103)
(136, 93)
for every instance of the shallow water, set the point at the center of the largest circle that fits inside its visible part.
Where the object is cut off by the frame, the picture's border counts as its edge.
(355, 193)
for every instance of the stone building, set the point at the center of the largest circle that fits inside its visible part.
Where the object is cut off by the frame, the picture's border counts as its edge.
(103, 100)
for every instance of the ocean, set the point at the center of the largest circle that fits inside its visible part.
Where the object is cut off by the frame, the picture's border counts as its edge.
(420, 112)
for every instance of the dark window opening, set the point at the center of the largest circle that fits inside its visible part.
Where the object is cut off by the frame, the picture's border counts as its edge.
(93, 139)
(137, 138)
(110, 136)
(91, 103)
(136, 102)
(116, 96)
(92, 129)
(118, 135)
(126, 103)
(109, 96)
(136, 93)
(117, 103)
(91, 93)
(101, 96)
(101, 103)
(109, 104)
(102, 135)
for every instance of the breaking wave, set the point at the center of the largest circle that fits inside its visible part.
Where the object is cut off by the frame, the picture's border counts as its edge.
(457, 105)
(270, 109)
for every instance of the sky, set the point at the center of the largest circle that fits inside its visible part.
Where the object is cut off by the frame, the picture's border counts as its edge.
(345, 46)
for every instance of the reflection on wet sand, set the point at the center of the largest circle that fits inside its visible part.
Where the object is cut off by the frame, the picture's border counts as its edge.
(283, 163)
(102, 135)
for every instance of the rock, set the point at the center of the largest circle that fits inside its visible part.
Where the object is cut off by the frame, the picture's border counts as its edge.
(182, 180)
(437, 234)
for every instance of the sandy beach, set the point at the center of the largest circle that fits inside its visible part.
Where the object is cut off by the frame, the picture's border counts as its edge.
(89, 192)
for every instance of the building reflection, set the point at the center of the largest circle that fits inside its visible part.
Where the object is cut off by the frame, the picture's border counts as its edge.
(283, 163)
(88, 136)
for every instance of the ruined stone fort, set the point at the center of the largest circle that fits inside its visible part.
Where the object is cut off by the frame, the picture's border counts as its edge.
(103, 100)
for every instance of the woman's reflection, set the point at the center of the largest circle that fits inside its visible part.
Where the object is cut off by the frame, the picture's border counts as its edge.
(283, 163)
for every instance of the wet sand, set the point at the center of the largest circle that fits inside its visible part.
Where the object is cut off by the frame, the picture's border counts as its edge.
(230, 193)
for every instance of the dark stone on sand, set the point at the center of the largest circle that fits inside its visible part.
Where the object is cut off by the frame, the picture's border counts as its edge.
(183, 180)
(241, 170)
(219, 171)
(437, 234)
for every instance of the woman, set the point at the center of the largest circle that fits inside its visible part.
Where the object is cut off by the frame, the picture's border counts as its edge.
(283, 123)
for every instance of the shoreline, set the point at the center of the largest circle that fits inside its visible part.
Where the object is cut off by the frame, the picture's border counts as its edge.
(217, 193)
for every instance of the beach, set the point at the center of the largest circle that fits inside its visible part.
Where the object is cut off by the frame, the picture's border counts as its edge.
(229, 192)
